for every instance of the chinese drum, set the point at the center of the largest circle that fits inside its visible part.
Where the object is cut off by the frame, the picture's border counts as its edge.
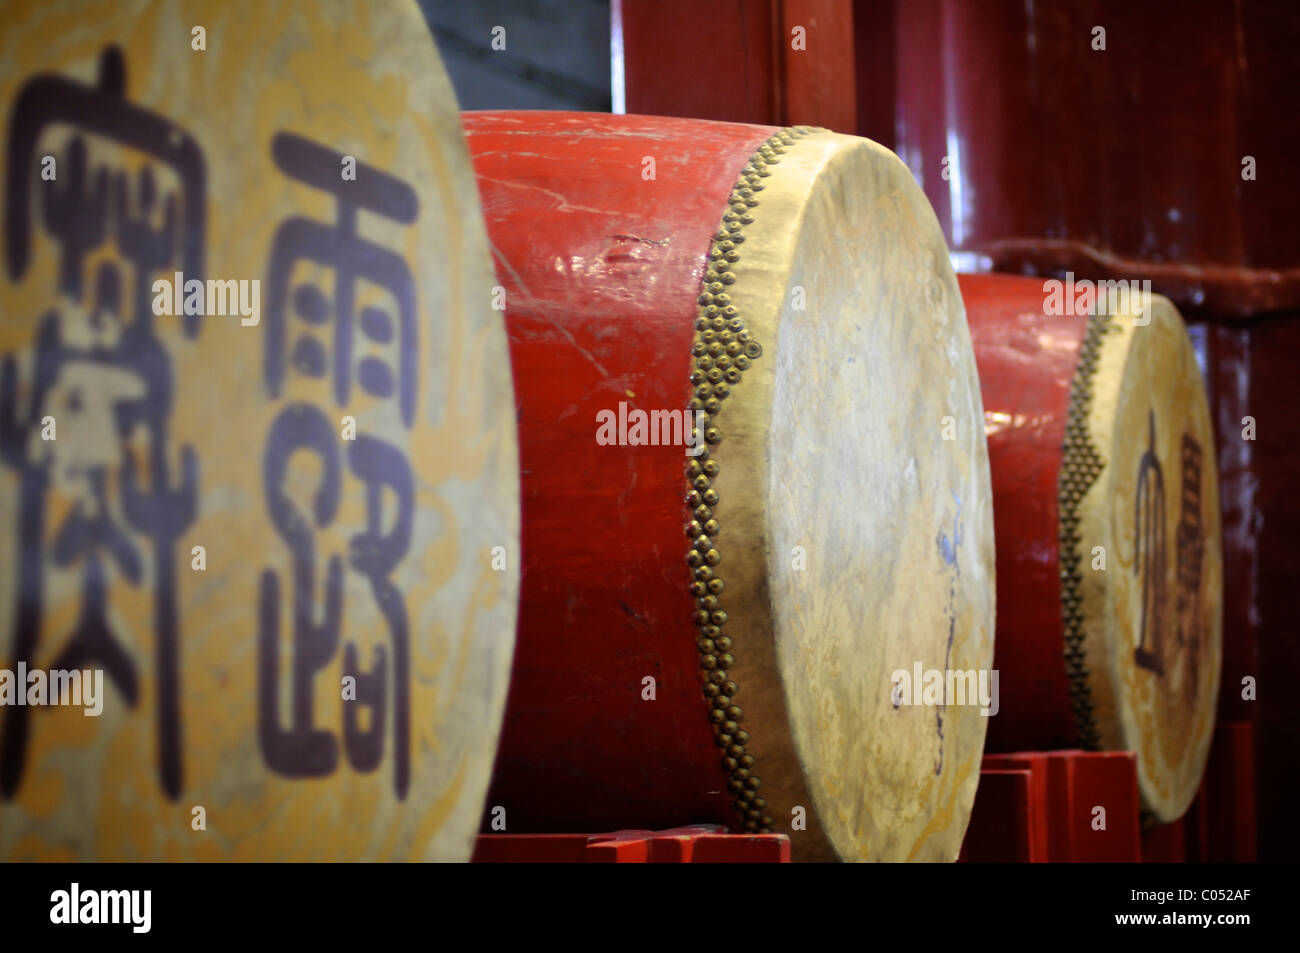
(710, 633)
(1109, 570)
(257, 442)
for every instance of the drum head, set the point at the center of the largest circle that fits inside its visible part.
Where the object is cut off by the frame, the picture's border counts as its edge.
(1151, 619)
(258, 465)
(856, 511)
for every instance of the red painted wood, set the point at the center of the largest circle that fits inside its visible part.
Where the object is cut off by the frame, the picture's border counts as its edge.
(696, 844)
(530, 849)
(1165, 844)
(1105, 779)
(1039, 819)
(742, 849)
(1026, 363)
(1229, 794)
(1003, 819)
(1228, 387)
(735, 60)
(601, 270)
(1276, 463)
(816, 86)
(1029, 116)
(704, 59)
(1040, 806)
(876, 70)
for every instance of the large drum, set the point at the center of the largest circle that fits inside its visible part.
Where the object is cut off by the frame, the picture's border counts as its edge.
(720, 630)
(1110, 576)
(256, 436)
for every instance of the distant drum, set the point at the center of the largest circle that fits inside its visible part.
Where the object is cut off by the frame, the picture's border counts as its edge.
(720, 630)
(1106, 502)
(258, 470)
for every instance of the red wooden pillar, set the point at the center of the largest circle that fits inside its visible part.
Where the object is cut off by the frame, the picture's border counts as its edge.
(774, 62)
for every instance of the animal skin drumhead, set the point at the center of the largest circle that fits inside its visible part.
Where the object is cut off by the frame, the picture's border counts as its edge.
(258, 463)
(1151, 625)
(855, 459)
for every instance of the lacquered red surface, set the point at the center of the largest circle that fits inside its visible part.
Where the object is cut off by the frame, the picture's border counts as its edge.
(601, 269)
(738, 60)
(1117, 163)
(1026, 362)
(1274, 399)
(1227, 371)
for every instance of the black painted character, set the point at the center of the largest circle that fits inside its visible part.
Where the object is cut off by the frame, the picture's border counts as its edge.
(1149, 527)
(325, 347)
(104, 376)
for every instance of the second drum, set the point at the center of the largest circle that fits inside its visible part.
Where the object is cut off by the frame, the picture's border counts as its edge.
(711, 632)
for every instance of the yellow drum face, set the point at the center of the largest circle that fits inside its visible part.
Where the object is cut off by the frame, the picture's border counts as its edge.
(1160, 510)
(258, 471)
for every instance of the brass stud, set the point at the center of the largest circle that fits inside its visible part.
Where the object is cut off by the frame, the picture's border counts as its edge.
(724, 348)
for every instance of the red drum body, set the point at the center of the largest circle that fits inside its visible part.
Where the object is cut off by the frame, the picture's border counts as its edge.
(770, 282)
(1106, 508)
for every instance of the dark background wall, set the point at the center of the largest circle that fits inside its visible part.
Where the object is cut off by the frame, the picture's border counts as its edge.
(556, 52)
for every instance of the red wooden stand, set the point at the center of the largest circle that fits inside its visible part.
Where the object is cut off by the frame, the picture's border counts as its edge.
(1220, 824)
(698, 844)
(1031, 807)
(1041, 806)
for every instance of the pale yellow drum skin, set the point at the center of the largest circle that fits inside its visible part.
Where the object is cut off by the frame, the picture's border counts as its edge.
(1154, 684)
(858, 534)
(284, 745)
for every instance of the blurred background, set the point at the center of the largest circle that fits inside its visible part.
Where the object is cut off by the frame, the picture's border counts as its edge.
(556, 52)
